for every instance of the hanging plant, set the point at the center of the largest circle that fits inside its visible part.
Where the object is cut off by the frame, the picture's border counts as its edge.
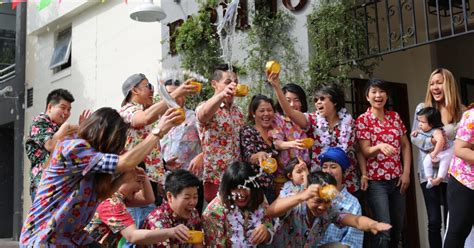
(337, 38)
(198, 47)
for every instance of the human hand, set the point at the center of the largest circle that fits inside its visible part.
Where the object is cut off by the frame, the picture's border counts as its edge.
(379, 227)
(180, 232)
(84, 115)
(185, 89)
(404, 182)
(297, 144)
(196, 164)
(259, 235)
(311, 191)
(260, 157)
(169, 119)
(65, 130)
(364, 182)
(274, 79)
(414, 133)
(387, 149)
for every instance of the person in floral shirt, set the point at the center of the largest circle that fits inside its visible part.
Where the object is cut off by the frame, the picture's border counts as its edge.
(111, 221)
(255, 144)
(178, 213)
(236, 217)
(384, 143)
(45, 132)
(286, 135)
(219, 124)
(306, 216)
(331, 125)
(141, 113)
(461, 184)
(76, 179)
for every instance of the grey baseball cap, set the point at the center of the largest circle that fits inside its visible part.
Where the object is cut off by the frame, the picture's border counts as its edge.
(131, 82)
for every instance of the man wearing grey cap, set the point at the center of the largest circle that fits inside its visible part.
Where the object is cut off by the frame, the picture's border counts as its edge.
(141, 113)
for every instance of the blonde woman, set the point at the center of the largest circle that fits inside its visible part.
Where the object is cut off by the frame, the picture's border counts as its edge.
(442, 93)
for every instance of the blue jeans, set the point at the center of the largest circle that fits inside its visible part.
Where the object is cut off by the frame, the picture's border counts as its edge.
(434, 198)
(139, 214)
(387, 205)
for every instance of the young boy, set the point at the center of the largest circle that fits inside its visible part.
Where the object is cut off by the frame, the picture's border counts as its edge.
(181, 189)
(112, 221)
(309, 221)
(335, 162)
(46, 130)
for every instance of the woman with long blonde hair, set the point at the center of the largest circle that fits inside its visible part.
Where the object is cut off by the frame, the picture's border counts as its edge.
(442, 93)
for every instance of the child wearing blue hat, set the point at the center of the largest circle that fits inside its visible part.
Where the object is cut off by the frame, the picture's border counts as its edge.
(335, 162)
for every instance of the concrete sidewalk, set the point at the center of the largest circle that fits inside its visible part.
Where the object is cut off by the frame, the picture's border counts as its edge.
(8, 243)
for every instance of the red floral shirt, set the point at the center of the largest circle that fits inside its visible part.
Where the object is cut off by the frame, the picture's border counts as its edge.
(164, 217)
(352, 178)
(220, 141)
(110, 218)
(389, 131)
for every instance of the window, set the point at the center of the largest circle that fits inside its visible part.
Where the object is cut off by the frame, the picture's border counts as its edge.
(61, 58)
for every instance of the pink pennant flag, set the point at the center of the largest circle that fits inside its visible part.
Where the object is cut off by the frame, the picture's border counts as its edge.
(16, 2)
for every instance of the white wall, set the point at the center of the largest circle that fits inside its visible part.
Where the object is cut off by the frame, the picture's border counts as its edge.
(107, 47)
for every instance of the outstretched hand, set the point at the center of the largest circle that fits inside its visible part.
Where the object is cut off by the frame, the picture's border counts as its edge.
(84, 115)
(379, 227)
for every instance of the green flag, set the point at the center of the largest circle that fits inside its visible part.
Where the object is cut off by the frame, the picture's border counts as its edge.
(43, 4)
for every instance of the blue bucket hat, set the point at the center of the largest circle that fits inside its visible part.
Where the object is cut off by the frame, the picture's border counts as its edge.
(336, 154)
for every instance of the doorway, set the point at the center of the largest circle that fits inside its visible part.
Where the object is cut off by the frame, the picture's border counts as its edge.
(356, 103)
(6, 179)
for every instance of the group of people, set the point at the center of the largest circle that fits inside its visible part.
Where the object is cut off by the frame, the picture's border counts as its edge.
(142, 176)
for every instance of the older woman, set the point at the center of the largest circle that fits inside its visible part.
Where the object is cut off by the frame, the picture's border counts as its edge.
(383, 142)
(74, 182)
(331, 125)
(236, 217)
(255, 143)
(442, 94)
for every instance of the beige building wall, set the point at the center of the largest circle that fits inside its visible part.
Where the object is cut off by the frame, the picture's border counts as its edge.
(107, 47)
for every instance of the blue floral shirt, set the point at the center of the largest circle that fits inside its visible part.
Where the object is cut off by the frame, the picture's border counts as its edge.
(66, 199)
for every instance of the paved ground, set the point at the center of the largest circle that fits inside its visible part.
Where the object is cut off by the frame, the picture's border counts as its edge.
(8, 243)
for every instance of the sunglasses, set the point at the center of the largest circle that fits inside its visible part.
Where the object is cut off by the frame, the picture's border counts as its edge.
(320, 98)
(172, 82)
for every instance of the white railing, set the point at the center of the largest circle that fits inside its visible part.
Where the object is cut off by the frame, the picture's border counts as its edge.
(7, 73)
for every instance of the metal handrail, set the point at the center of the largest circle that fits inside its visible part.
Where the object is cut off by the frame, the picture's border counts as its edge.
(7, 73)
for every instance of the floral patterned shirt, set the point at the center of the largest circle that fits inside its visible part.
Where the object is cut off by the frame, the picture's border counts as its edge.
(389, 131)
(42, 129)
(217, 229)
(182, 142)
(297, 230)
(460, 169)
(110, 218)
(336, 137)
(66, 199)
(220, 141)
(252, 142)
(164, 217)
(285, 129)
(154, 165)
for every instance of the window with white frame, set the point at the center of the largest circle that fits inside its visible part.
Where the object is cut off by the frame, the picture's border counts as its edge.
(61, 58)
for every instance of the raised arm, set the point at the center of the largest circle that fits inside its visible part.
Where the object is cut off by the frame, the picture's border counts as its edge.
(295, 115)
(282, 205)
(209, 108)
(130, 159)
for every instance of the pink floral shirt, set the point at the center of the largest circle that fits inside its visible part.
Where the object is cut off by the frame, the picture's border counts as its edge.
(389, 131)
(154, 165)
(460, 169)
(285, 129)
(220, 141)
(352, 178)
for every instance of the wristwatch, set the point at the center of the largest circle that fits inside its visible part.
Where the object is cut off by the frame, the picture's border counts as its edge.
(157, 133)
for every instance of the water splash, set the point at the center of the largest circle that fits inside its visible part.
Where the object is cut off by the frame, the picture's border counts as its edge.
(226, 30)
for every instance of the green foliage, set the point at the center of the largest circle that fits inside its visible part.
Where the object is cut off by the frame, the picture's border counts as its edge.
(198, 46)
(337, 36)
(269, 38)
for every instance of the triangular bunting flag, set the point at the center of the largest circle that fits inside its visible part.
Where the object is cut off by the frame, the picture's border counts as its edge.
(43, 4)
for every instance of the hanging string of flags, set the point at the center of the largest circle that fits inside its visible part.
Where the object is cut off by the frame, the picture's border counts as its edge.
(42, 4)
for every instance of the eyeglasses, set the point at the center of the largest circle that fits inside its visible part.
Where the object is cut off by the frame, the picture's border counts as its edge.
(149, 86)
(172, 82)
(320, 98)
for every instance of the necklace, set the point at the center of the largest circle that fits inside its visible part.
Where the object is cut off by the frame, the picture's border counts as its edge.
(326, 135)
(240, 232)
